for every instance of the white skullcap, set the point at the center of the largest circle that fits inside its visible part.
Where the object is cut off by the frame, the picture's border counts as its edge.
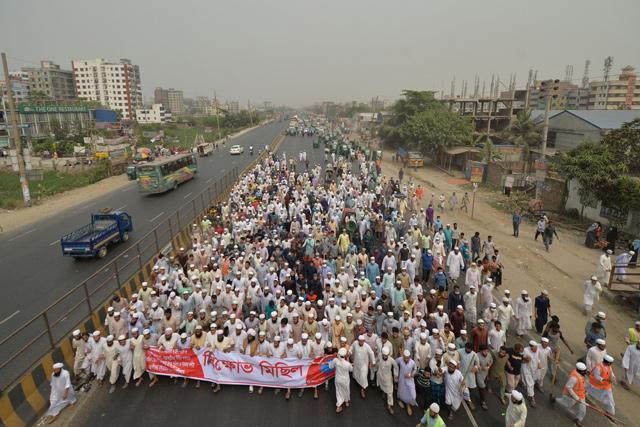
(516, 395)
(76, 332)
(277, 338)
(343, 339)
(532, 343)
(594, 278)
(435, 331)
(117, 313)
(459, 307)
(360, 337)
(451, 346)
(134, 330)
(184, 335)
(58, 365)
(304, 336)
(581, 366)
(480, 320)
(453, 362)
(602, 315)
(168, 331)
(544, 339)
(423, 335)
(338, 317)
(463, 331)
(524, 292)
(342, 352)
(609, 251)
(318, 335)
(608, 358)
(251, 332)
(290, 341)
(600, 341)
(110, 338)
(96, 333)
(110, 309)
(406, 353)
(122, 338)
(385, 351)
(261, 316)
(239, 326)
(440, 307)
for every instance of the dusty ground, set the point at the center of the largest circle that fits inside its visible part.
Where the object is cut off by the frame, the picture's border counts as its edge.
(562, 270)
(12, 219)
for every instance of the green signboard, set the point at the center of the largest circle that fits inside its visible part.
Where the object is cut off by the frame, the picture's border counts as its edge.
(52, 108)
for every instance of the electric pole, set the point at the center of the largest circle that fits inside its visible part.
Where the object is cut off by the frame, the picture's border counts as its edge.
(24, 182)
(215, 100)
(548, 92)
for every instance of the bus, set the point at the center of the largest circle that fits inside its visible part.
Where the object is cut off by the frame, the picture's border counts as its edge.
(166, 174)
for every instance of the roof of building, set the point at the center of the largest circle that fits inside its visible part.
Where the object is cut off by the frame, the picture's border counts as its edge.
(602, 119)
(453, 151)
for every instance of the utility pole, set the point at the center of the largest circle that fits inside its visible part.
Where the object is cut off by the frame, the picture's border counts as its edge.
(215, 100)
(249, 107)
(24, 182)
(548, 90)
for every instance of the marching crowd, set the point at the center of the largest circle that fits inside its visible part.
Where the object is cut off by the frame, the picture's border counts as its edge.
(293, 265)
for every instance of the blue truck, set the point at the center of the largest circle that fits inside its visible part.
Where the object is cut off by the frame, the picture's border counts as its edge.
(107, 226)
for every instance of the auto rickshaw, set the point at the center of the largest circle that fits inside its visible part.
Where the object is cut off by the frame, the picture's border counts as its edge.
(328, 173)
(132, 172)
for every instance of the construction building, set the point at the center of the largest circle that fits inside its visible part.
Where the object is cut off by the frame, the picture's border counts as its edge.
(622, 93)
(51, 80)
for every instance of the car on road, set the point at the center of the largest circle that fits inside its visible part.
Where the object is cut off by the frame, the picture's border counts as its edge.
(236, 149)
(107, 226)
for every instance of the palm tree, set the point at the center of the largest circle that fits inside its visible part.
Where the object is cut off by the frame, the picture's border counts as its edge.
(523, 130)
(489, 153)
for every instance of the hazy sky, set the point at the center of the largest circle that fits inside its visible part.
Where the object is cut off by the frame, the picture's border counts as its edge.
(298, 52)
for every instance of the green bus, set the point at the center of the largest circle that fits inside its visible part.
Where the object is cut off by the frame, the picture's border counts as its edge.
(166, 174)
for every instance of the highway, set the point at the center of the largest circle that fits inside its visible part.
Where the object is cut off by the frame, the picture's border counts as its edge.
(168, 404)
(34, 271)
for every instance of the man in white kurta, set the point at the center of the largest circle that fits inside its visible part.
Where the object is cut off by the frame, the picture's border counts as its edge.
(592, 291)
(454, 385)
(78, 344)
(342, 379)
(455, 264)
(123, 360)
(363, 358)
(595, 354)
(62, 394)
(631, 364)
(94, 356)
(621, 265)
(529, 370)
(545, 355)
(516, 414)
(603, 270)
(139, 362)
(472, 277)
(422, 351)
(599, 384)
(524, 312)
(387, 370)
(505, 314)
(471, 305)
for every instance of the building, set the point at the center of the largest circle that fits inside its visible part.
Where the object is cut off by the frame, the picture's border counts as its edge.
(569, 128)
(49, 79)
(113, 84)
(20, 87)
(155, 114)
(623, 93)
(36, 120)
(569, 97)
(232, 107)
(171, 98)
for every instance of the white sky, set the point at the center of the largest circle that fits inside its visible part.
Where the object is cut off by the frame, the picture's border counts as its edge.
(298, 52)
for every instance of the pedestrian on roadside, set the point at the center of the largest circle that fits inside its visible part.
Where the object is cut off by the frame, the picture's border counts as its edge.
(516, 219)
(542, 306)
(549, 232)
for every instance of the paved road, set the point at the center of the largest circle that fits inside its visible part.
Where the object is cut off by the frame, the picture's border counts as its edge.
(34, 271)
(169, 404)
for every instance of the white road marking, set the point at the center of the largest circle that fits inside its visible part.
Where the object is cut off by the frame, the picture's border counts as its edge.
(209, 180)
(22, 235)
(121, 207)
(55, 242)
(157, 216)
(188, 195)
(469, 414)
(7, 318)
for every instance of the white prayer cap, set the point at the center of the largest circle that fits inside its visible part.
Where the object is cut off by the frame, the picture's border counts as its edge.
(608, 358)
(348, 315)
(274, 314)
(239, 326)
(295, 314)
(439, 351)
(183, 336)
(516, 395)
(110, 309)
(459, 307)
(505, 299)
(453, 362)
(232, 316)
(463, 331)
(319, 303)
(342, 352)
(172, 294)
(146, 331)
(440, 307)
(432, 291)
(492, 305)
(609, 251)
(480, 320)
(290, 341)
(594, 278)
(343, 339)
(76, 332)
(600, 341)
(307, 303)
(524, 292)
(489, 279)
(219, 332)
(390, 313)
(277, 338)
(168, 331)
(360, 337)
(58, 365)
(423, 323)
(423, 335)
(251, 332)
(96, 333)
(532, 343)
(451, 346)
(359, 322)
(602, 315)
(385, 351)
(154, 305)
(305, 336)
(581, 366)
(338, 317)
(435, 408)
(262, 333)
(435, 331)
(544, 339)
(472, 286)
(134, 330)
(331, 299)
(144, 284)
(406, 353)
(110, 338)
(122, 338)
(325, 322)
(137, 315)
(318, 335)
(261, 316)
(134, 296)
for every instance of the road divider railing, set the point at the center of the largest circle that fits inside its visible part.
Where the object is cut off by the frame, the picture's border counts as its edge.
(29, 352)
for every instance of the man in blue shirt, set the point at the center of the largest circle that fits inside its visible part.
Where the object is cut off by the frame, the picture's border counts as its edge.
(440, 279)
(516, 219)
(427, 265)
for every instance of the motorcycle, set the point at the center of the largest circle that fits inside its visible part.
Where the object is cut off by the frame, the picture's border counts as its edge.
(251, 151)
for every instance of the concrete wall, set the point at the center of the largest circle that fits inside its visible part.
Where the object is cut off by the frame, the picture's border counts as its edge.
(553, 194)
(571, 131)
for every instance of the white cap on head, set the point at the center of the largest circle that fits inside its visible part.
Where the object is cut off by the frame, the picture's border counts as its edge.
(581, 366)
(406, 353)
(342, 352)
(451, 346)
(600, 341)
(146, 331)
(239, 326)
(277, 338)
(122, 338)
(360, 337)
(290, 341)
(435, 331)
(134, 330)
(532, 343)
(76, 333)
(453, 362)
(608, 358)
(544, 340)
(318, 335)
(58, 365)
(96, 333)
(305, 336)
(463, 331)
(385, 351)
(434, 407)
(183, 336)
(594, 278)
(516, 395)
(109, 337)
(602, 315)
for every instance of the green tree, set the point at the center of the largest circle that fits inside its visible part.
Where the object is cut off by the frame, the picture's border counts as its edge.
(624, 145)
(38, 97)
(523, 130)
(489, 153)
(435, 130)
(414, 102)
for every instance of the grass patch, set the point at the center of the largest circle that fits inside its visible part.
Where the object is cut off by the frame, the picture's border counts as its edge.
(53, 183)
(186, 136)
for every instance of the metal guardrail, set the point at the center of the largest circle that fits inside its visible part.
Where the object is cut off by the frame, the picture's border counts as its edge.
(44, 332)
(631, 282)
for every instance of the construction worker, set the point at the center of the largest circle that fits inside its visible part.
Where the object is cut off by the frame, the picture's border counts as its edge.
(599, 384)
(574, 394)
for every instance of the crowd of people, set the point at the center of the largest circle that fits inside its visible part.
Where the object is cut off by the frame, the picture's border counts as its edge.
(293, 265)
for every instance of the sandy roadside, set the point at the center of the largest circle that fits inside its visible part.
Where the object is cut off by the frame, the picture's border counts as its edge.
(13, 219)
(562, 271)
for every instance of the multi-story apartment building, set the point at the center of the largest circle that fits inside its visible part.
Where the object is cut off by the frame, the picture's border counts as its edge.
(569, 97)
(623, 93)
(51, 80)
(171, 98)
(19, 86)
(156, 114)
(113, 84)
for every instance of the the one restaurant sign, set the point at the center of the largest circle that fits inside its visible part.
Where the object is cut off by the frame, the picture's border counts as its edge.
(51, 108)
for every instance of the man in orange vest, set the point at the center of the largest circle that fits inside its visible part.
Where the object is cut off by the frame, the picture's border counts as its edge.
(574, 394)
(600, 384)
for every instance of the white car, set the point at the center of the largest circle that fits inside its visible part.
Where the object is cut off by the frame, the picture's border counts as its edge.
(236, 149)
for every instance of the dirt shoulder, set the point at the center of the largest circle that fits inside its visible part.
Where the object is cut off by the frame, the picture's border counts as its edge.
(13, 219)
(562, 271)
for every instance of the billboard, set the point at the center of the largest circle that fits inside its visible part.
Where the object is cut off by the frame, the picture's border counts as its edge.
(51, 108)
